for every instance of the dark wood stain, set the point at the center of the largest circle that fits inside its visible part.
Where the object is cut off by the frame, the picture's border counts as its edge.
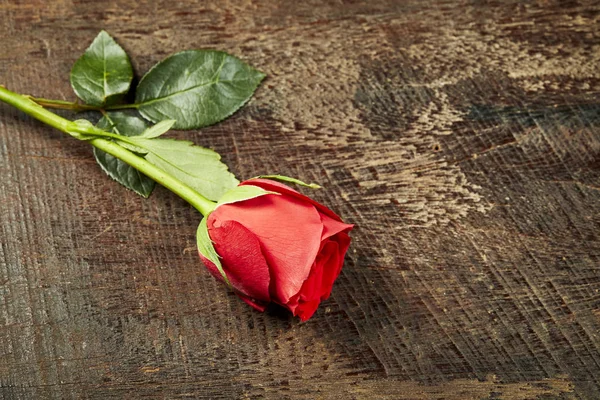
(462, 137)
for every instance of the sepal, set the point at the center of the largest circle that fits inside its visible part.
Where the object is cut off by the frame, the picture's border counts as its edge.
(207, 249)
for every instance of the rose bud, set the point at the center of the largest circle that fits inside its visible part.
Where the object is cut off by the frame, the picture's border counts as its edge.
(274, 244)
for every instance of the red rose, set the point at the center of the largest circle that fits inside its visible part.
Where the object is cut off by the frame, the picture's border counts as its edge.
(283, 248)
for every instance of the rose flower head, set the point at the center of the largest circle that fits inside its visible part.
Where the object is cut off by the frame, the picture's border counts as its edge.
(273, 244)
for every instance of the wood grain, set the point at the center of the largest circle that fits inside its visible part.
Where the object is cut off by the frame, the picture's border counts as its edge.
(462, 137)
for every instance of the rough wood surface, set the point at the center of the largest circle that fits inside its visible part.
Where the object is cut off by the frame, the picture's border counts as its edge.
(462, 137)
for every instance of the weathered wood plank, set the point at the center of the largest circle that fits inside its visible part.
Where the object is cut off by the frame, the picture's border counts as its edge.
(463, 139)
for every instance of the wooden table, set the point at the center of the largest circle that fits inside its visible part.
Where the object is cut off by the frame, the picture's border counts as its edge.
(462, 138)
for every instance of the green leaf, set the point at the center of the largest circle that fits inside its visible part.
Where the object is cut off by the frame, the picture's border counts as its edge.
(241, 193)
(127, 125)
(158, 129)
(197, 167)
(81, 125)
(123, 123)
(196, 87)
(102, 73)
(124, 174)
(207, 249)
(288, 179)
(130, 147)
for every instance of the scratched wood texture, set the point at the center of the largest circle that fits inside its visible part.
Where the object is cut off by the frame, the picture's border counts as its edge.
(462, 137)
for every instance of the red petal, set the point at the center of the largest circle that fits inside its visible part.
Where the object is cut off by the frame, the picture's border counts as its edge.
(259, 306)
(332, 227)
(306, 309)
(289, 231)
(333, 261)
(278, 187)
(310, 291)
(241, 257)
(324, 272)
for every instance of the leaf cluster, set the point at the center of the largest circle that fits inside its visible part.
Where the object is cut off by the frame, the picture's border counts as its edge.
(187, 90)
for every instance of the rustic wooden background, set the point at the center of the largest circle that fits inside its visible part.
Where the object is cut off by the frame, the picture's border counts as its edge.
(462, 137)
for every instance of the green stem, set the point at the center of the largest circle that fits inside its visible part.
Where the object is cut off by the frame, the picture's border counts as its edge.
(86, 130)
(121, 107)
(69, 105)
(199, 202)
(63, 105)
(31, 107)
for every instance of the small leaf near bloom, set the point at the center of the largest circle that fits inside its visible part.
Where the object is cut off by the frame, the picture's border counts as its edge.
(287, 179)
(241, 193)
(207, 250)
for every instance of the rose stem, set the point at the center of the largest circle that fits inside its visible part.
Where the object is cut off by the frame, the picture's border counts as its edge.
(69, 105)
(33, 109)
